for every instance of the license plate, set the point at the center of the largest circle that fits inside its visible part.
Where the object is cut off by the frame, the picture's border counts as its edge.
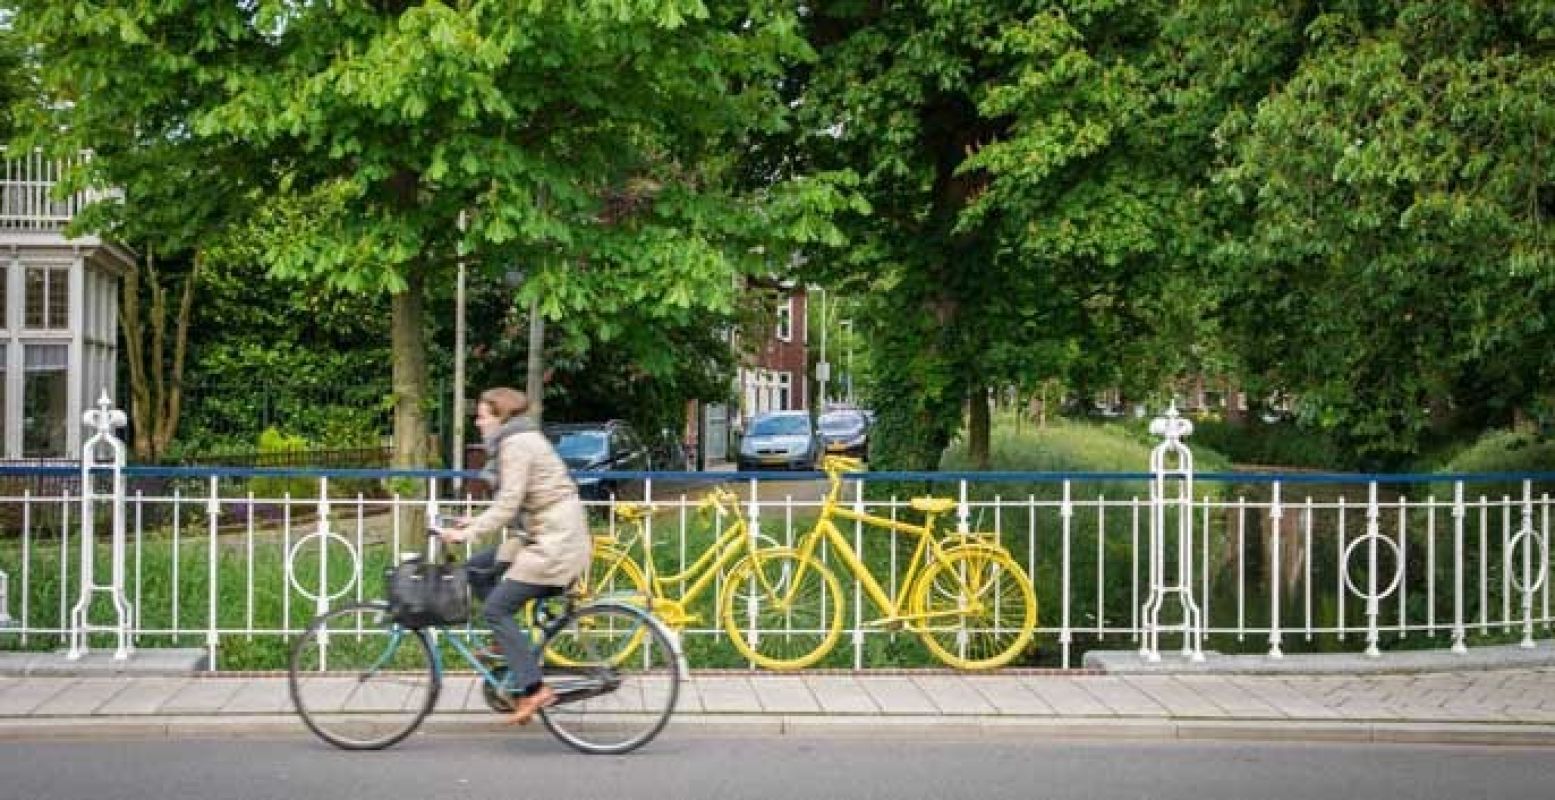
(774, 459)
(836, 447)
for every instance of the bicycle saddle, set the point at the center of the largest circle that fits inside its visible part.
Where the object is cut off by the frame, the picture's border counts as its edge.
(932, 505)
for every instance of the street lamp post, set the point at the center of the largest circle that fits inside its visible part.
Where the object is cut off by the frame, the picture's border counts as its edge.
(822, 368)
(456, 458)
(848, 324)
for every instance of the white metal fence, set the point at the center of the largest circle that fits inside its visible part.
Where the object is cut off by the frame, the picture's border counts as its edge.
(237, 560)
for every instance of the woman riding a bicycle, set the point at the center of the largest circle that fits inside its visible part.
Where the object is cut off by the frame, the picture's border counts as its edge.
(528, 479)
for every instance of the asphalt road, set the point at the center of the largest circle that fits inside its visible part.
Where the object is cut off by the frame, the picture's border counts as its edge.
(532, 765)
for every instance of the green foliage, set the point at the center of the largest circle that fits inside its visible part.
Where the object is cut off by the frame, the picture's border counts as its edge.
(1277, 444)
(1503, 451)
(589, 146)
(272, 441)
(1397, 263)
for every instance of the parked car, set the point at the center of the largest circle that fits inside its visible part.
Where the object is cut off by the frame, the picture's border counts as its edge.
(781, 439)
(845, 431)
(611, 446)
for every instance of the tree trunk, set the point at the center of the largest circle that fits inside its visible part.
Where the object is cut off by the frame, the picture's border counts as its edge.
(409, 374)
(978, 425)
(156, 381)
(1235, 414)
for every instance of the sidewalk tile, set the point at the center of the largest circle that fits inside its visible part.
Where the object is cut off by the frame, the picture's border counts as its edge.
(1009, 696)
(459, 692)
(728, 693)
(1236, 701)
(21, 695)
(1286, 699)
(1117, 694)
(1065, 696)
(840, 694)
(81, 698)
(203, 696)
(784, 694)
(898, 695)
(951, 694)
(1175, 697)
(260, 697)
(143, 697)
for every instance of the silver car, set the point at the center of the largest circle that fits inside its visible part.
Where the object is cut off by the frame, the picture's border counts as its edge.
(780, 440)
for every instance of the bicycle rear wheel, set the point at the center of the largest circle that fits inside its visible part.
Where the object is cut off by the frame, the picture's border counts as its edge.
(976, 608)
(612, 577)
(359, 681)
(782, 610)
(606, 704)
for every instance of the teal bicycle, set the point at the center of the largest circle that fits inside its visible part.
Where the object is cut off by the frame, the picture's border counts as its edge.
(360, 681)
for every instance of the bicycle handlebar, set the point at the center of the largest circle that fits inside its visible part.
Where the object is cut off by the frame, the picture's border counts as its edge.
(837, 464)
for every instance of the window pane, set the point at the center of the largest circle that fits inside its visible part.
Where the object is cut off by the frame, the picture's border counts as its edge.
(37, 293)
(45, 417)
(59, 299)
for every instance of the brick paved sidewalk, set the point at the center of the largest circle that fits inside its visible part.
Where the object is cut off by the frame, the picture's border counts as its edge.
(1502, 706)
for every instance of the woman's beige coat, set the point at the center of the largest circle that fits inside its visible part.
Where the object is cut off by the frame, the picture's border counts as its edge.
(532, 479)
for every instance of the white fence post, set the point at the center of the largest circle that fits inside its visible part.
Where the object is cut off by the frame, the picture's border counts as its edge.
(103, 419)
(1530, 580)
(5, 592)
(1172, 428)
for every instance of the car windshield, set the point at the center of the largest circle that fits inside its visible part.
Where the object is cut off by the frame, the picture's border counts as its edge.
(841, 422)
(579, 445)
(787, 425)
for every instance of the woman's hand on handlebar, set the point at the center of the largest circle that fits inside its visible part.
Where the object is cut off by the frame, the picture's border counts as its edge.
(452, 530)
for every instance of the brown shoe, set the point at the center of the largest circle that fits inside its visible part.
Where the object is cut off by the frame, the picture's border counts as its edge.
(524, 709)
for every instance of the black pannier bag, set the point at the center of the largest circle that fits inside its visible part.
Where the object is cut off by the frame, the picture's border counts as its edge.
(423, 594)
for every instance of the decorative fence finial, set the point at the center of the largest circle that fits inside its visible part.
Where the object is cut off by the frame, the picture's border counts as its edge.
(103, 419)
(1172, 427)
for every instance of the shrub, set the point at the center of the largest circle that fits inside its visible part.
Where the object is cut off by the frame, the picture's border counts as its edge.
(273, 441)
(1276, 444)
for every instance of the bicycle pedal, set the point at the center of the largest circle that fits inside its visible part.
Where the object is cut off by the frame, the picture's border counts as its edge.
(888, 623)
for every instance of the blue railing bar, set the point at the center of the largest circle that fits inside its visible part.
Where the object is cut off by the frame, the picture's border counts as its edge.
(708, 477)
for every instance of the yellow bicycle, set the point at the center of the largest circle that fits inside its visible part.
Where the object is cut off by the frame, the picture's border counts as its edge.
(614, 573)
(963, 594)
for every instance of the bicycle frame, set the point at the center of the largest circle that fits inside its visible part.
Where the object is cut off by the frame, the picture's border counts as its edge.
(732, 543)
(926, 550)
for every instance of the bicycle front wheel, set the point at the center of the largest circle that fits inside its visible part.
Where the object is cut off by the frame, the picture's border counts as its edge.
(975, 608)
(782, 610)
(359, 681)
(607, 704)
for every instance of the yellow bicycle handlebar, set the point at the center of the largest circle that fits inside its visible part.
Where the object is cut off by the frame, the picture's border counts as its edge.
(718, 497)
(841, 464)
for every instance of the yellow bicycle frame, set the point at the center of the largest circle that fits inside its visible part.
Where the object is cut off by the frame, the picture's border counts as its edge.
(927, 549)
(733, 542)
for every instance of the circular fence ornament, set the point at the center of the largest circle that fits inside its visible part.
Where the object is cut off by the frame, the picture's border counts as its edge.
(324, 595)
(1398, 570)
(1536, 541)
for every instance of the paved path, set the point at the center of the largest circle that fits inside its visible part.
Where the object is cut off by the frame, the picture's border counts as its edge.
(1502, 706)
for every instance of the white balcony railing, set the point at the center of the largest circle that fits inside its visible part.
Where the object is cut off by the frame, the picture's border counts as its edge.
(27, 193)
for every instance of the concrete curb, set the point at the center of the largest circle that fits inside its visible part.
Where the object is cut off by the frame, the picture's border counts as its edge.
(239, 726)
(1402, 662)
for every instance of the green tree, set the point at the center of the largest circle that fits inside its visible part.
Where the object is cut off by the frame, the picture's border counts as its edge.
(1032, 215)
(587, 143)
(1397, 270)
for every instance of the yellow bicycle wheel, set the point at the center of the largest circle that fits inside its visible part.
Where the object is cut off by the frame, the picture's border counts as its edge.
(612, 575)
(975, 607)
(782, 610)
